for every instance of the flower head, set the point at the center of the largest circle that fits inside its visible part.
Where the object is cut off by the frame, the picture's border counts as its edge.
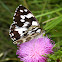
(35, 50)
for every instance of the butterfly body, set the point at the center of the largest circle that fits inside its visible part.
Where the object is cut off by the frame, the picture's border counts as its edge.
(25, 27)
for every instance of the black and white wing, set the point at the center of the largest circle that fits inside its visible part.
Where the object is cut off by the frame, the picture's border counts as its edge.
(23, 26)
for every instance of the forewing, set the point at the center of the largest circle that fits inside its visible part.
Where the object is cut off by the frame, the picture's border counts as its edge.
(23, 19)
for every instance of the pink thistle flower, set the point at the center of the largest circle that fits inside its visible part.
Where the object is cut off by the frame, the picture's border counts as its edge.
(35, 50)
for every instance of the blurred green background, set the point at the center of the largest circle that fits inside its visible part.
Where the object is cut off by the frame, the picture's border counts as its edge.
(49, 15)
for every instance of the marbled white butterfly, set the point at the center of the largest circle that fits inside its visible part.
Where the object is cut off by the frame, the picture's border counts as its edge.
(24, 27)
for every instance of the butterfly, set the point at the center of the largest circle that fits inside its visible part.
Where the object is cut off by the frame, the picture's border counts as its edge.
(25, 26)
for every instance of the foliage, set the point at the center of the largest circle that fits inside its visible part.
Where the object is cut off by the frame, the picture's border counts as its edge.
(49, 15)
